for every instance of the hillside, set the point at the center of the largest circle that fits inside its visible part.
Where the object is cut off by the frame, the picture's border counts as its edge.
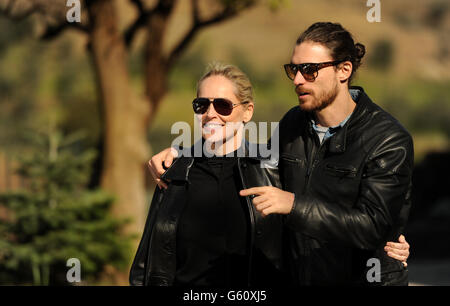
(421, 48)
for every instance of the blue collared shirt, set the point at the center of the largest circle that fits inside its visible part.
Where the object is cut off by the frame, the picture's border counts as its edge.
(326, 132)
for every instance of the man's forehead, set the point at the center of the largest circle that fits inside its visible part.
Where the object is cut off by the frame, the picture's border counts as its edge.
(310, 52)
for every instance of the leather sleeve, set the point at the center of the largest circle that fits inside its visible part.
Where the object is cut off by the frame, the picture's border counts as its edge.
(138, 268)
(383, 196)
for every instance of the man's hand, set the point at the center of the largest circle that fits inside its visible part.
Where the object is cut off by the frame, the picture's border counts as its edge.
(270, 200)
(155, 165)
(399, 251)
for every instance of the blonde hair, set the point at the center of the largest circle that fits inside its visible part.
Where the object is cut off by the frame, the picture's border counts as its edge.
(242, 85)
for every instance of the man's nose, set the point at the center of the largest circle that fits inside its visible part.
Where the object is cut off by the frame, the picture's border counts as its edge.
(299, 79)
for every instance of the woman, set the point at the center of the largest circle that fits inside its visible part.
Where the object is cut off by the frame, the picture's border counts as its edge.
(199, 231)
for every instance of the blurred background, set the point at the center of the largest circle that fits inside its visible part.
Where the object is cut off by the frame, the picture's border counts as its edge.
(83, 106)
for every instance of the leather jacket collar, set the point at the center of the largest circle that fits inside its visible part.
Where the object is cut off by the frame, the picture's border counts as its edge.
(179, 170)
(338, 141)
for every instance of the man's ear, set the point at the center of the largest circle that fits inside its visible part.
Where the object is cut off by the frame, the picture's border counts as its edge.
(248, 113)
(345, 71)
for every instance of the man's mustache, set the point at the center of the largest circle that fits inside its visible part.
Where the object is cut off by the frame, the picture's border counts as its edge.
(299, 91)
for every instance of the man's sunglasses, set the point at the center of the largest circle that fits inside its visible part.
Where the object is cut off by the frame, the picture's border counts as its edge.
(309, 71)
(222, 106)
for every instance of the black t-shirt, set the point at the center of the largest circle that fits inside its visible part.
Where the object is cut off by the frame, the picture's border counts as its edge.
(212, 235)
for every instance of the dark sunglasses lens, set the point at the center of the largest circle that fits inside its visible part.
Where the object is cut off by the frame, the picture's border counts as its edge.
(223, 106)
(291, 71)
(200, 105)
(309, 72)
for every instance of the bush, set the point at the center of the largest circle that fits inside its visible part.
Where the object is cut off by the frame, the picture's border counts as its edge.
(382, 55)
(57, 218)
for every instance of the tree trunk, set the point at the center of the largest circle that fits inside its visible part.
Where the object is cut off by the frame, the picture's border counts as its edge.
(125, 142)
(156, 64)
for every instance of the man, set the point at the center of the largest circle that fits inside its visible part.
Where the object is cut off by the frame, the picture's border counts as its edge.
(345, 166)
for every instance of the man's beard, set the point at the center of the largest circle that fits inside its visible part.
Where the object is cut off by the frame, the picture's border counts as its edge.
(321, 102)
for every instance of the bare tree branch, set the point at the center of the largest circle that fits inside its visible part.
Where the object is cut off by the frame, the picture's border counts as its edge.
(140, 22)
(228, 12)
(139, 5)
(163, 7)
(19, 10)
(54, 30)
(143, 16)
(52, 12)
(195, 11)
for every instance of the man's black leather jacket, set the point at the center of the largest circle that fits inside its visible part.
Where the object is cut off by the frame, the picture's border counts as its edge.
(352, 195)
(155, 260)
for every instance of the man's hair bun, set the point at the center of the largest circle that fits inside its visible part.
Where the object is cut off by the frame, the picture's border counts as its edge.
(360, 51)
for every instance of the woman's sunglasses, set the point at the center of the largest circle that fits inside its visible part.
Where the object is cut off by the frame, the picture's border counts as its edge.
(222, 106)
(309, 71)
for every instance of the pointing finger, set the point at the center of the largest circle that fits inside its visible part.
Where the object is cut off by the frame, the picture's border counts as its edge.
(254, 190)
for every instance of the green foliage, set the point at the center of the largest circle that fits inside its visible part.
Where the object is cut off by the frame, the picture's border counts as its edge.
(38, 83)
(436, 14)
(57, 218)
(16, 107)
(275, 5)
(21, 31)
(188, 70)
(382, 55)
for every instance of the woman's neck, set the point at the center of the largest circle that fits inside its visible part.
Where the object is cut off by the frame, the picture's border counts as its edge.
(222, 148)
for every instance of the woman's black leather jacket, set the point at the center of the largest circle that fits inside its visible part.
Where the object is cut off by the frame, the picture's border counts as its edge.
(155, 260)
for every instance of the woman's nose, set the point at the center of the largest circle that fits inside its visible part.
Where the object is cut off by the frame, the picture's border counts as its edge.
(211, 111)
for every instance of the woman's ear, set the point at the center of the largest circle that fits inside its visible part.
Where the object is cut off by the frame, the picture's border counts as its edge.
(248, 112)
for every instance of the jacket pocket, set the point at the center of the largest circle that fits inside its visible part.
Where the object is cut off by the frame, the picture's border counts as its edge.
(292, 171)
(341, 170)
(292, 159)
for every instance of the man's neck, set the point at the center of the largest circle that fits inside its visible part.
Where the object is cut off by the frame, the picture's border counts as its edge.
(337, 111)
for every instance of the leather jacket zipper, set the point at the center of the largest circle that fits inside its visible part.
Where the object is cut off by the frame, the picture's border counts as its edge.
(292, 159)
(252, 225)
(342, 169)
(188, 169)
(312, 161)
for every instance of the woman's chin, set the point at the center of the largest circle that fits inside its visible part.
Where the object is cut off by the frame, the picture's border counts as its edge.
(214, 139)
